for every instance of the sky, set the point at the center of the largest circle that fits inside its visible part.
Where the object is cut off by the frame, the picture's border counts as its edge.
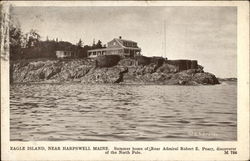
(206, 34)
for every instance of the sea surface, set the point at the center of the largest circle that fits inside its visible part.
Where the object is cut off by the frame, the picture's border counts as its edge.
(78, 112)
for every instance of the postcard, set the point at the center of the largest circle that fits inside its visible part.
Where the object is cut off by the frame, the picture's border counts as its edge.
(125, 80)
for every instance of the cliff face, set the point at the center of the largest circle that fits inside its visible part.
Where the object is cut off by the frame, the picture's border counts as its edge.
(127, 71)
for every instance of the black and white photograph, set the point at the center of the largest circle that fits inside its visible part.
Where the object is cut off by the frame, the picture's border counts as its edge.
(123, 73)
(124, 80)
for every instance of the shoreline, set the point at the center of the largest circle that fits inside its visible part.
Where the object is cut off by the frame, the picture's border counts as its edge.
(126, 71)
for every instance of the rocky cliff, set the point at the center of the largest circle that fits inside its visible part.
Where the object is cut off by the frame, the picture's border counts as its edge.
(127, 71)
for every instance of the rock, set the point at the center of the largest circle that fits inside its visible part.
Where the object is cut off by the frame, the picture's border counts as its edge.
(151, 68)
(200, 68)
(105, 75)
(47, 70)
(192, 77)
(18, 73)
(167, 68)
(157, 71)
(23, 63)
(127, 62)
(51, 71)
(81, 71)
(205, 78)
(155, 77)
(36, 65)
(181, 78)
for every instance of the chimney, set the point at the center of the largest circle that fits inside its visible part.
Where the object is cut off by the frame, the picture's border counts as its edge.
(120, 37)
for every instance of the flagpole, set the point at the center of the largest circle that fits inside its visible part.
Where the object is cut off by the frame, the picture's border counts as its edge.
(164, 43)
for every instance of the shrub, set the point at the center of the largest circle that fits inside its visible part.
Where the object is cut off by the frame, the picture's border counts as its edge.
(194, 64)
(107, 60)
(184, 64)
(158, 61)
(142, 60)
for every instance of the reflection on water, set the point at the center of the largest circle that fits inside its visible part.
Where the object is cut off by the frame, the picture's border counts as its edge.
(53, 112)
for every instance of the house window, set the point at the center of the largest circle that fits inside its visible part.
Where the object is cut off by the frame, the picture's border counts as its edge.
(114, 43)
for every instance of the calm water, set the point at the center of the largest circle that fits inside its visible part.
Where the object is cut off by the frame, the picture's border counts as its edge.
(51, 112)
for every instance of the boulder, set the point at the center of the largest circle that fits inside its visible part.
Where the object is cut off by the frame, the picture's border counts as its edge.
(181, 78)
(205, 78)
(51, 71)
(36, 65)
(105, 75)
(127, 62)
(151, 68)
(167, 68)
(192, 77)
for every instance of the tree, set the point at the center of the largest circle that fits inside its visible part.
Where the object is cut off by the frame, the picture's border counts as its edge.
(98, 45)
(33, 38)
(15, 35)
(15, 38)
(79, 44)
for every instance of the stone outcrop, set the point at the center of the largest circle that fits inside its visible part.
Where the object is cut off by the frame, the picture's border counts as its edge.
(127, 71)
(105, 75)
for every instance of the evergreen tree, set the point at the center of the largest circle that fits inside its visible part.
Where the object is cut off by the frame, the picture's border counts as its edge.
(93, 45)
(98, 45)
(16, 38)
(33, 38)
(79, 44)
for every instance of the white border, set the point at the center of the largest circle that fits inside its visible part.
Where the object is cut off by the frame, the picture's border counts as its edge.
(242, 144)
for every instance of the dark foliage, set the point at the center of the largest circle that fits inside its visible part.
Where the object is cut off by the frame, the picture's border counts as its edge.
(143, 60)
(98, 45)
(107, 60)
(157, 60)
(47, 49)
(194, 64)
(184, 64)
(15, 36)
(29, 45)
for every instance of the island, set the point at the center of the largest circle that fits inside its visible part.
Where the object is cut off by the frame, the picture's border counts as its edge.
(121, 61)
(112, 69)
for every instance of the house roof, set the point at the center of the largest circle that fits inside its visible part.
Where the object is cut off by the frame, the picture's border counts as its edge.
(120, 42)
(123, 40)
